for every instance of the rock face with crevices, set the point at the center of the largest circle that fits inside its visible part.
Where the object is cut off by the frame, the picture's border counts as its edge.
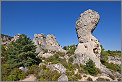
(48, 42)
(63, 77)
(88, 46)
(59, 67)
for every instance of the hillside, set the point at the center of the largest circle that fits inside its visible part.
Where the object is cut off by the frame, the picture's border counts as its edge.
(43, 59)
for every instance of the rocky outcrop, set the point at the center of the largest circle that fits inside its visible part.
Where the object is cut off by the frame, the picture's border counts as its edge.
(63, 77)
(46, 55)
(8, 39)
(115, 60)
(59, 67)
(88, 46)
(15, 37)
(48, 42)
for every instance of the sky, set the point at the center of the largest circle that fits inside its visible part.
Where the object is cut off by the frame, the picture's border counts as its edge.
(59, 18)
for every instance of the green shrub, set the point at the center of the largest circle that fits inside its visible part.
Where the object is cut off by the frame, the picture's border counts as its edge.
(103, 56)
(111, 76)
(69, 73)
(100, 79)
(90, 67)
(48, 75)
(84, 76)
(107, 79)
(65, 48)
(5, 71)
(76, 65)
(56, 56)
(72, 78)
(34, 69)
(78, 76)
(89, 79)
(45, 51)
(114, 67)
(119, 79)
(16, 75)
(62, 54)
(70, 60)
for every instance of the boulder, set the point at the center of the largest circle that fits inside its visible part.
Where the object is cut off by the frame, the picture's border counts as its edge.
(48, 42)
(63, 77)
(59, 67)
(46, 55)
(88, 46)
(23, 68)
(40, 64)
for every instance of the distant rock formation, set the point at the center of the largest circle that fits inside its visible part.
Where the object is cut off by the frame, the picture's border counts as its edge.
(88, 46)
(5, 39)
(115, 60)
(48, 42)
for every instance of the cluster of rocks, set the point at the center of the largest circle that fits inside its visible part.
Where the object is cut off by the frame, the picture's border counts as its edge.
(88, 46)
(49, 43)
(115, 59)
(61, 69)
(6, 40)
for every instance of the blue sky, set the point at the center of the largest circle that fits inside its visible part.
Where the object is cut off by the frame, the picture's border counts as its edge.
(58, 18)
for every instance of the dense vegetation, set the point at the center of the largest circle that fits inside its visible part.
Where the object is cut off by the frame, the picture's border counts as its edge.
(70, 49)
(19, 53)
(104, 59)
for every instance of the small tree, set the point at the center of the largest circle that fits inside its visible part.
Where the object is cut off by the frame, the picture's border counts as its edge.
(23, 53)
(90, 67)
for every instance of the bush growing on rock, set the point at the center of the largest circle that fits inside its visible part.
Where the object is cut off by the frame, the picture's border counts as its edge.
(48, 75)
(45, 51)
(100, 79)
(34, 69)
(111, 76)
(70, 60)
(56, 56)
(119, 79)
(78, 76)
(16, 75)
(90, 67)
(103, 56)
(114, 67)
(89, 79)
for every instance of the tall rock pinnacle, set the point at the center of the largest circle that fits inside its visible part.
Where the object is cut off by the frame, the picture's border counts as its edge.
(88, 46)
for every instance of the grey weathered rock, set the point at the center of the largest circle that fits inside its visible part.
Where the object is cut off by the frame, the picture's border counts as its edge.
(59, 67)
(63, 77)
(40, 64)
(115, 60)
(46, 55)
(66, 57)
(7, 39)
(48, 42)
(23, 68)
(88, 46)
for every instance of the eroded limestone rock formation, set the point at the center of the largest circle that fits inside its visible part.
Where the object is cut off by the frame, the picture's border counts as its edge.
(88, 46)
(48, 42)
